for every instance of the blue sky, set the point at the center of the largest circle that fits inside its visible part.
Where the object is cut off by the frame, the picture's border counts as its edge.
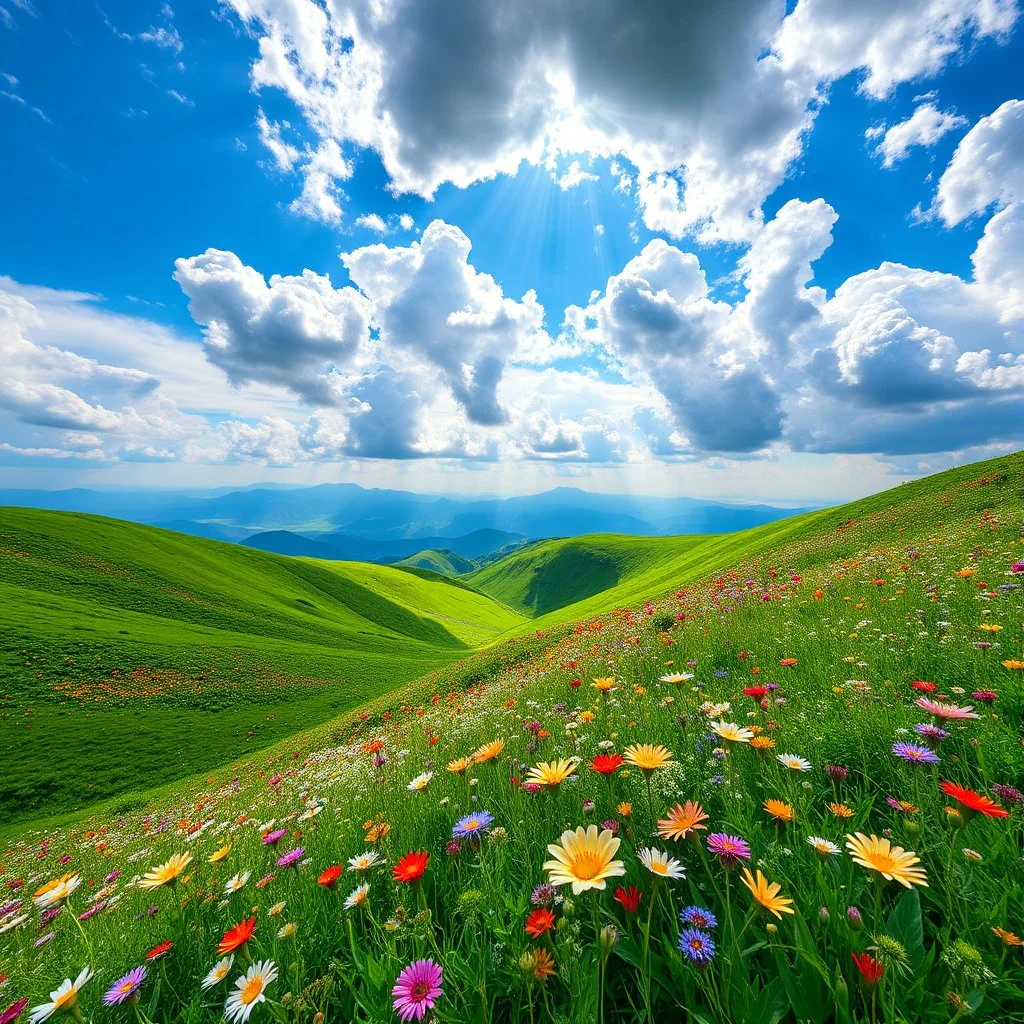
(718, 233)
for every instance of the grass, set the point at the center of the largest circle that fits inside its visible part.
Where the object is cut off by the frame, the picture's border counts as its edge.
(834, 619)
(154, 655)
(447, 563)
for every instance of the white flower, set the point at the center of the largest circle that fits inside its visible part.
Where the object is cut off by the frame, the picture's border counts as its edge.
(250, 989)
(358, 896)
(420, 782)
(57, 892)
(661, 864)
(62, 998)
(219, 971)
(797, 764)
(823, 846)
(236, 883)
(364, 861)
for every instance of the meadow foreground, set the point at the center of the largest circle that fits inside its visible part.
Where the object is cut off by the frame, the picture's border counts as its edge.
(789, 791)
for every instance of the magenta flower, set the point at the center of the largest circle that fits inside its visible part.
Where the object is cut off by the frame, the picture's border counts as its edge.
(272, 837)
(291, 857)
(416, 989)
(13, 1011)
(730, 850)
(126, 987)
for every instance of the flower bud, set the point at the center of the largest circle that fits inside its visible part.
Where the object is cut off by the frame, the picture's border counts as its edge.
(823, 914)
(853, 916)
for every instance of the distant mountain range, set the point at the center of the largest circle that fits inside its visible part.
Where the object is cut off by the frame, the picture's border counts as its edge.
(349, 522)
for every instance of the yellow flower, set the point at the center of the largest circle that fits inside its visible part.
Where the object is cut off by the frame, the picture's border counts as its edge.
(377, 831)
(893, 863)
(543, 964)
(167, 873)
(990, 627)
(57, 891)
(552, 773)
(780, 810)
(1014, 664)
(731, 732)
(682, 820)
(625, 809)
(605, 684)
(584, 859)
(841, 810)
(767, 895)
(489, 751)
(762, 743)
(461, 765)
(586, 717)
(219, 854)
(648, 757)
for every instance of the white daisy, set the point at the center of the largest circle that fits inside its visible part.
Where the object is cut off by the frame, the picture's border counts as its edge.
(358, 896)
(219, 971)
(249, 990)
(797, 764)
(236, 883)
(364, 861)
(661, 864)
(823, 846)
(62, 998)
(57, 892)
(420, 782)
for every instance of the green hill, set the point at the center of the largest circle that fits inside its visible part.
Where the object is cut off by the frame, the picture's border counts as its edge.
(442, 561)
(154, 654)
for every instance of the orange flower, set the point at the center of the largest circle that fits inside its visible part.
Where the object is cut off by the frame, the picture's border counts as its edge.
(682, 820)
(235, 938)
(973, 803)
(780, 810)
(411, 867)
(539, 921)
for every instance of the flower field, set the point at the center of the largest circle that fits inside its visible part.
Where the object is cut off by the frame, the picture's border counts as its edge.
(787, 791)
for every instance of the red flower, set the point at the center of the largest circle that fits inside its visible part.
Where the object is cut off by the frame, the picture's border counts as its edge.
(539, 921)
(411, 867)
(629, 898)
(757, 692)
(974, 802)
(235, 938)
(330, 875)
(787, 662)
(869, 967)
(918, 684)
(158, 951)
(575, 683)
(606, 764)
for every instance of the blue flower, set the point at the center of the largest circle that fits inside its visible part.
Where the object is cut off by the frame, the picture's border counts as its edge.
(472, 825)
(698, 917)
(697, 946)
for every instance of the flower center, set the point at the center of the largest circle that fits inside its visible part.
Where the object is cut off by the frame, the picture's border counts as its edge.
(586, 865)
(251, 991)
(69, 998)
(419, 991)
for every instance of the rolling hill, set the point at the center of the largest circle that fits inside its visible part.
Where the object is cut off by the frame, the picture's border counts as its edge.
(444, 561)
(161, 654)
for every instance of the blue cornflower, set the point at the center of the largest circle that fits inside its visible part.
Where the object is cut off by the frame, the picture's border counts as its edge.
(698, 917)
(472, 825)
(697, 946)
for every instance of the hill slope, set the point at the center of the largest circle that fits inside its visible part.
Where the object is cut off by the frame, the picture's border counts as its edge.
(442, 561)
(163, 653)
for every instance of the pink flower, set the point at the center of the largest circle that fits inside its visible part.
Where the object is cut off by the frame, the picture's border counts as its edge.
(939, 710)
(416, 989)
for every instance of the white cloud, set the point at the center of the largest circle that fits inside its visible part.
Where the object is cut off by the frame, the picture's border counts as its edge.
(987, 168)
(924, 127)
(180, 98)
(709, 102)
(405, 222)
(373, 222)
(299, 333)
(574, 175)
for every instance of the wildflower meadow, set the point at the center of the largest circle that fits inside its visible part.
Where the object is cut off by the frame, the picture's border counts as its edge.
(788, 791)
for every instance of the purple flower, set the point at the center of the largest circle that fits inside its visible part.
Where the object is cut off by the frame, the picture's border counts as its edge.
(914, 753)
(291, 857)
(985, 696)
(543, 895)
(472, 825)
(698, 917)
(272, 837)
(931, 733)
(416, 989)
(453, 848)
(125, 988)
(94, 909)
(697, 946)
(611, 825)
(730, 850)
(853, 916)
(43, 939)
(13, 1012)
(835, 771)
(1008, 794)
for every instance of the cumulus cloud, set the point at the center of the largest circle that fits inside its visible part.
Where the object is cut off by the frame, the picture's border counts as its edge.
(709, 103)
(293, 332)
(924, 127)
(987, 168)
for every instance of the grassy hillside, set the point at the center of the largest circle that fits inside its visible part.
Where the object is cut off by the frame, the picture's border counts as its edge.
(554, 574)
(442, 561)
(786, 679)
(153, 654)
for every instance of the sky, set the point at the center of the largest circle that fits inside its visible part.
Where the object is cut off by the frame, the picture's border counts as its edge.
(745, 250)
